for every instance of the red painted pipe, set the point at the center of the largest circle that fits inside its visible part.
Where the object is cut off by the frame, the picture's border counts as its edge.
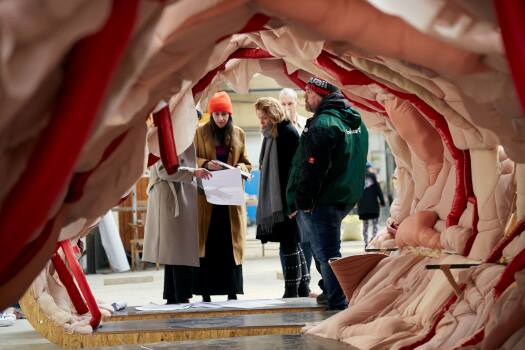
(87, 76)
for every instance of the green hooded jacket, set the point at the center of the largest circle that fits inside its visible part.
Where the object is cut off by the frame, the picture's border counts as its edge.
(329, 165)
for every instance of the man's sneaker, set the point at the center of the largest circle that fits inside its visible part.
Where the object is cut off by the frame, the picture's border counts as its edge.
(321, 299)
(7, 319)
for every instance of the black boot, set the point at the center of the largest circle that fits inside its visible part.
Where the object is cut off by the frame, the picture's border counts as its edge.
(232, 296)
(304, 290)
(206, 298)
(322, 299)
(290, 291)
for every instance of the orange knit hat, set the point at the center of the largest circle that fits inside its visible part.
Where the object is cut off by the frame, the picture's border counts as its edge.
(220, 102)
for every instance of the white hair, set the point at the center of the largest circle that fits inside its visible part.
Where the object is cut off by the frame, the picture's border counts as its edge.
(288, 92)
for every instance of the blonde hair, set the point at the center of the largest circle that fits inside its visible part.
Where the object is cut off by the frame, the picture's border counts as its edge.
(273, 110)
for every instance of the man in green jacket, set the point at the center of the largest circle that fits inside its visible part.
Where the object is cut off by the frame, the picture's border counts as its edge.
(327, 177)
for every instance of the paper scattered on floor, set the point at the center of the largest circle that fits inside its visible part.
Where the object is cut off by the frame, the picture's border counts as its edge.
(155, 307)
(224, 187)
(234, 304)
(251, 304)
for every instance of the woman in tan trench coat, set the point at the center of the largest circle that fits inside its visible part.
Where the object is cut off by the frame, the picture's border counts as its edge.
(222, 229)
(170, 236)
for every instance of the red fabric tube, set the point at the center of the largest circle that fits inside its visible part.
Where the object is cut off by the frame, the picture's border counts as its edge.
(168, 149)
(69, 284)
(511, 18)
(82, 283)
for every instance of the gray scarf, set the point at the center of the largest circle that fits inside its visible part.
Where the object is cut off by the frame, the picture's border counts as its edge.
(270, 205)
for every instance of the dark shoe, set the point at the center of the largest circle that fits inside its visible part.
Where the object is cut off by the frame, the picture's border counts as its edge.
(206, 298)
(337, 308)
(303, 291)
(290, 293)
(232, 296)
(322, 299)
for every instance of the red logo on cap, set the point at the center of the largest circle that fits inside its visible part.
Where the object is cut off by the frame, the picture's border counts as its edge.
(311, 160)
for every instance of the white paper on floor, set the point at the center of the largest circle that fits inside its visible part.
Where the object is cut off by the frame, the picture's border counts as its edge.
(235, 304)
(251, 304)
(155, 307)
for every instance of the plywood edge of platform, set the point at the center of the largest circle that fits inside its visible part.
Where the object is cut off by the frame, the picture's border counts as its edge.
(149, 337)
(210, 313)
(58, 335)
(44, 325)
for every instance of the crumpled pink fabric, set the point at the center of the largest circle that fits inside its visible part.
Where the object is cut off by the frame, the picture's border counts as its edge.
(423, 139)
(507, 315)
(387, 287)
(417, 231)
(469, 314)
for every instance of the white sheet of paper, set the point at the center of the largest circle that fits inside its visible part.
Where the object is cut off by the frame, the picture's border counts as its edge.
(224, 187)
(250, 304)
(234, 304)
(168, 307)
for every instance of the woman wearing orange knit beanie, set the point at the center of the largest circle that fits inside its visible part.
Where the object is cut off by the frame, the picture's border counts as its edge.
(222, 229)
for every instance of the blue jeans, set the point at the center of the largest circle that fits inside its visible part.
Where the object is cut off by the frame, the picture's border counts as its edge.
(322, 228)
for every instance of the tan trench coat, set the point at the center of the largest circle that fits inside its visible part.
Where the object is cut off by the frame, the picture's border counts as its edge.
(205, 147)
(170, 235)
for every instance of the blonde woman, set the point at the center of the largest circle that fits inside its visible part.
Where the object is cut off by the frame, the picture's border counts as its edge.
(278, 148)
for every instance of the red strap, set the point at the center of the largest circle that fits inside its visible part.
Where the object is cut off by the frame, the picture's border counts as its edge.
(168, 149)
(82, 283)
(344, 76)
(507, 277)
(88, 72)
(257, 22)
(152, 159)
(475, 339)
(294, 77)
(511, 18)
(247, 53)
(497, 253)
(67, 281)
(451, 300)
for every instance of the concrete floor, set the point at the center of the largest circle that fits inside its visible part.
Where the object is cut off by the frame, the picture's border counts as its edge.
(261, 281)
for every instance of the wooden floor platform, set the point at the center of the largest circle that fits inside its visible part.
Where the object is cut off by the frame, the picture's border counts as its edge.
(266, 342)
(123, 332)
(290, 305)
(250, 321)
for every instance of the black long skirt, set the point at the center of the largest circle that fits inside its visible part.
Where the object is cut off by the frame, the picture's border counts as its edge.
(178, 283)
(218, 274)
